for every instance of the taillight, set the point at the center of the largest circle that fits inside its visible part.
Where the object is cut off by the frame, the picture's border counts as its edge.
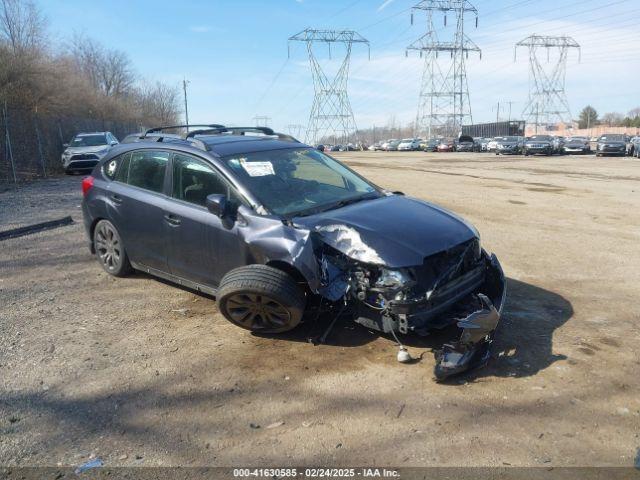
(87, 183)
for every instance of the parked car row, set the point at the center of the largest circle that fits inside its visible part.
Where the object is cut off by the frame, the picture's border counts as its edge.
(85, 150)
(610, 144)
(350, 147)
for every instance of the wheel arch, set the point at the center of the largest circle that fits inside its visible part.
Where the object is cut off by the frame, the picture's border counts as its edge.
(92, 229)
(290, 270)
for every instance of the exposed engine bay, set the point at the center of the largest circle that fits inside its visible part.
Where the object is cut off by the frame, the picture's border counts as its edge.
(462, 285)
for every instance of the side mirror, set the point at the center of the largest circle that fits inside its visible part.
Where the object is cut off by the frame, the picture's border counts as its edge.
(65, 145)
(114, 143)
(217, 204)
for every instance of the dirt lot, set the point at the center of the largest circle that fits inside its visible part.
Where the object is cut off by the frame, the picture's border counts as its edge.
(139, 372)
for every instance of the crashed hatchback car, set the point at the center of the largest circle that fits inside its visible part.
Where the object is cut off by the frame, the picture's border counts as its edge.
(276, 229)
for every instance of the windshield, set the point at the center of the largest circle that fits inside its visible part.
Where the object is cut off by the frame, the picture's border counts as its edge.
(613, 138)
(510, 139)
(578, 139)
(88, 141)
(301, 181)
(543, 138)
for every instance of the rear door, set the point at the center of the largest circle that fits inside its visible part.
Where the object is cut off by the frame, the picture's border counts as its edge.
(202, 246)
(136, 206)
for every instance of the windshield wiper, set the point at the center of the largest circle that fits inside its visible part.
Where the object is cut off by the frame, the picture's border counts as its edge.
(332, 206)
(349, 201)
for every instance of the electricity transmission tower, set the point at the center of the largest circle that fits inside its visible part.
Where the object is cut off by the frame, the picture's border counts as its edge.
(331, 115)
(262, 120)
(295, 130)
(547, 103)
(444, 105)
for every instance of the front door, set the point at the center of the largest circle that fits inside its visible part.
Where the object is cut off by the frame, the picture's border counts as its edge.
(202, 247)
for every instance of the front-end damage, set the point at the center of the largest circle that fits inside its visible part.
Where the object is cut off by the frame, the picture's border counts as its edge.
(461, 286)
(390, 285)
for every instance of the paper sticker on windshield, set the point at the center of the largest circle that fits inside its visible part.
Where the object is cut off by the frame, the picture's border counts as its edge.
(257, 169)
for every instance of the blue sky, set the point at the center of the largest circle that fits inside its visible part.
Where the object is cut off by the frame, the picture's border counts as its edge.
(234, 52)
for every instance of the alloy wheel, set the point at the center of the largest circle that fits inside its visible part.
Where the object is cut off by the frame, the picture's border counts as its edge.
(108, 247)
(257, 312)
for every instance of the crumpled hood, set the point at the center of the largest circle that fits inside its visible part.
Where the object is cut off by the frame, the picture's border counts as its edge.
(395, 231)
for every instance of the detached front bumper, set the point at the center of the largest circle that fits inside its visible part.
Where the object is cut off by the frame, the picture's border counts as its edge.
(472, 301)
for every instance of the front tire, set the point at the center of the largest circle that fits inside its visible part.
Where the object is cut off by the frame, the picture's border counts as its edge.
(261, 299)
(109, 249)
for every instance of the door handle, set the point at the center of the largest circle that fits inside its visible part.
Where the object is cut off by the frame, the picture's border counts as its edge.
(172, 220)
(116, 199)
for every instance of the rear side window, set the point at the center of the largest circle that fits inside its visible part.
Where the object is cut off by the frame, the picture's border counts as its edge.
(194, 180)
(147, 169)
(111, 167)
(122, 173)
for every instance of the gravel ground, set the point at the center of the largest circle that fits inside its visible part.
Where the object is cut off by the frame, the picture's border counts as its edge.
(142, 373)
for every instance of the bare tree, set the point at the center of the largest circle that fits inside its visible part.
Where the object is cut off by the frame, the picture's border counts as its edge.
(612, 119)
(110, 71)
(634, 112)
(159, 103)
(22, 26)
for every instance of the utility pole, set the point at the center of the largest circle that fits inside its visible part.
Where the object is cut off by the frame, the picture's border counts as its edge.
(444, 104)
(185, 82)
(331, 114)
(510, 103)
(547, 96)
(498, 113)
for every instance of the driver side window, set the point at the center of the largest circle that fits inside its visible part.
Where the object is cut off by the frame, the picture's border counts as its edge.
(194, 180)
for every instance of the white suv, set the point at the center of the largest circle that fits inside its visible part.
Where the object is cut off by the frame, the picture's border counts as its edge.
(86, 149)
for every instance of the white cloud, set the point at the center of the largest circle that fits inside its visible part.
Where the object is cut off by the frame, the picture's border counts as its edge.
(385, 4)
(388, 86)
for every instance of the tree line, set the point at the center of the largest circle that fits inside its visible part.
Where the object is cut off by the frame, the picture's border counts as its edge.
(79, 78)
(589, 118)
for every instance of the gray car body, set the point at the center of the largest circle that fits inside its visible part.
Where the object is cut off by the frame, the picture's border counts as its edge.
(392, 231)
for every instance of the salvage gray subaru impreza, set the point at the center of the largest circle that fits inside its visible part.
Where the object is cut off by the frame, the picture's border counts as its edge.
(276, 229)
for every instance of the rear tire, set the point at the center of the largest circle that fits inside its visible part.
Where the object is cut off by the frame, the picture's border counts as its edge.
(109, 249)
(261, 299)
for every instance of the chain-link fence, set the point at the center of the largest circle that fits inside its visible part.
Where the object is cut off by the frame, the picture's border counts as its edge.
(31, 143)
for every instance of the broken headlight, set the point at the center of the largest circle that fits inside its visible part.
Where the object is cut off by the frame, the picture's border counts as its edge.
(394, 279)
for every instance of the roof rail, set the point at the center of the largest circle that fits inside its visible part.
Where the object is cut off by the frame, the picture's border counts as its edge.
(241, 131)
(237, 130)
(168, 127)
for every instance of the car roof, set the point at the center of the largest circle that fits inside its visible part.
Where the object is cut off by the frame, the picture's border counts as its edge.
(224, 145)
(219, 145)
